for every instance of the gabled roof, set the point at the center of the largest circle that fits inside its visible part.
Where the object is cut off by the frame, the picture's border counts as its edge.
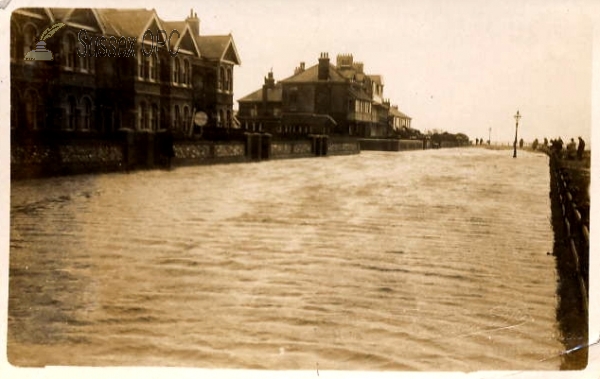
(221, 48)
(311, 74)
(185, 34)
(59, 14)
(131, 22)
(40, 13)
(174, 25)
(274, 94)
(81, 18)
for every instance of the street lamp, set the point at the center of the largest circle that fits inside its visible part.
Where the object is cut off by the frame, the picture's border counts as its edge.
(517, 117)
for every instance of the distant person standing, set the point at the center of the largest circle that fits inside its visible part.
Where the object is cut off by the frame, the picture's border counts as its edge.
(560, 144)
(521, 142)
(535, 144)
(571, 149)
(580, 148)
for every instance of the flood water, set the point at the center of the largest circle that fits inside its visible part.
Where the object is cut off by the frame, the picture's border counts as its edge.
(419, 260)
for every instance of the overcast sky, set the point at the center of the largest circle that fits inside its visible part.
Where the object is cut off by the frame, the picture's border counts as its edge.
(460, 66)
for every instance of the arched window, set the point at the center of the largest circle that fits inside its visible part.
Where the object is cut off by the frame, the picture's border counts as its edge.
(32, 110)
(71, 113)
(176, 117)
(143, 116)
(82, 61)
(176, 70)
(69, 53)
(86, 114)
(29, 38)
(154, 117)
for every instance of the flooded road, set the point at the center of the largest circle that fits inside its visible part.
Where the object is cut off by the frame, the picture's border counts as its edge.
(422, 260)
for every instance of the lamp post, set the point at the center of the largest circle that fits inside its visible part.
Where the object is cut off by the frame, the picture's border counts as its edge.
(517, 117)
(490, 137)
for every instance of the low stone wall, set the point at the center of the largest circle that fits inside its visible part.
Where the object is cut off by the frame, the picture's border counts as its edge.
(343, 147)
(390, 144)
(131, 151)
(207, 152)
(291, 149)
(91, 154)
(39, 161)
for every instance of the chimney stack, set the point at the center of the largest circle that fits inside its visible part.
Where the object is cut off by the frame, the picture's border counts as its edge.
(269, 80)
(345, 61)
(269, 84)
(324, 66)
(359, 67)
(194, 22)
(299, 69)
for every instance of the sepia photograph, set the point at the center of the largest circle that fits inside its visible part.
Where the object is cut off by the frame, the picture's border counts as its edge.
(300, 188)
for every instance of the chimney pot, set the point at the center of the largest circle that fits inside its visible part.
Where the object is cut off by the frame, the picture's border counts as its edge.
(323, 71)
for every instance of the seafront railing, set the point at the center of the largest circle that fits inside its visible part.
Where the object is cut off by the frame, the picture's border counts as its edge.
(576, 229)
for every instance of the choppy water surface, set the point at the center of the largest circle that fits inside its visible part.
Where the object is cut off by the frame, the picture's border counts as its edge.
(423, 260)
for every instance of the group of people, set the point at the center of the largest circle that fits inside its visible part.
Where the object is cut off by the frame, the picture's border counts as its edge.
(574, 150)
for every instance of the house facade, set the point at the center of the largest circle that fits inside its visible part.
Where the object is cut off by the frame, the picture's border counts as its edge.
(338, 99)
(398, 120)
(116, 69)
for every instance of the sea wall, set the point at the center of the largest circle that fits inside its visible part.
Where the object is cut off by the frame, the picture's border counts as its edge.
(208, 152)
(50, 160)
(128, 150)
(391, 144)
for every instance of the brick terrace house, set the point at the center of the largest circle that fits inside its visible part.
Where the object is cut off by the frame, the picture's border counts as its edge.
(336, 99)
(84, 91)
